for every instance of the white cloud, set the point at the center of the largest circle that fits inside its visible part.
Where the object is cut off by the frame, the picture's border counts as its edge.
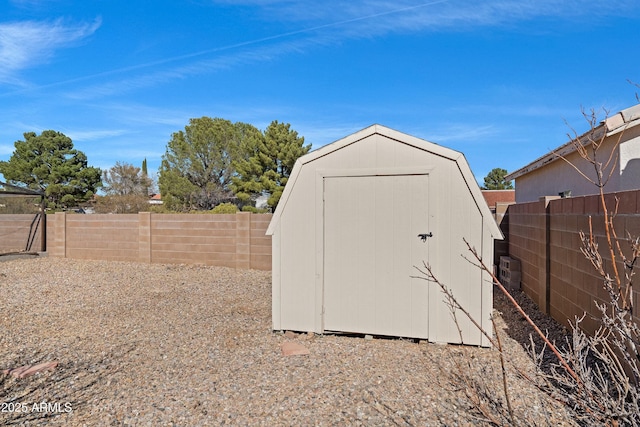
(224, 57)
(24, 44)
(462, 132)
(366, 18)
(91, 135)
(326, 23)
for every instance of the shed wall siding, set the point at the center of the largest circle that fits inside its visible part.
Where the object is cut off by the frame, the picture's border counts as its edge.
(456, 217)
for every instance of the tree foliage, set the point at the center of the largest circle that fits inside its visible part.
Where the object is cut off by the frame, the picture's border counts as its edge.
(20, 205)
(268, 163)
(196, 168)
(495, 180)
(125, 179)
(214, 160)
(150, 181)
(129, 203)
(224, 208)
(48, 162)
(126, 187)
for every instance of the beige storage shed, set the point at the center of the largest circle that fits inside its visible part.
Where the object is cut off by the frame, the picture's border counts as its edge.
(356, 216)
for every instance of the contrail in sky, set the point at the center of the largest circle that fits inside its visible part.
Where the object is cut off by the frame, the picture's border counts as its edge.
(231, 47)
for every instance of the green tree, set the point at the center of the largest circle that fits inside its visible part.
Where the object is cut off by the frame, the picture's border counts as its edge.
(495, 180)
(268, 163)
(145, 173)
(196, 168)
(49, 162)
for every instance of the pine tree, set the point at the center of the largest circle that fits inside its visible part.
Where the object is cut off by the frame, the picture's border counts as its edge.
(49, 162)
(495, 180)
(269, 162)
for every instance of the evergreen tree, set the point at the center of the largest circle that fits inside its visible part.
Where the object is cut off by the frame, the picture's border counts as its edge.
(196, 168)
(268, 163)
(495, 180)
(49, 162)
(145, 173)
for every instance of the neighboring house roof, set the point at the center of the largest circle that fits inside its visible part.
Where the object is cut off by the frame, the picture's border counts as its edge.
(6, 188)
(422, 144)
(617, 123)
(499, 196)
(155, 199)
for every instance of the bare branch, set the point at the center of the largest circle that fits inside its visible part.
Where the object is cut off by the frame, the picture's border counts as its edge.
(522, 313)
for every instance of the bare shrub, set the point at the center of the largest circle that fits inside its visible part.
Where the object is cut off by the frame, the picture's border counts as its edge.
(595, 376)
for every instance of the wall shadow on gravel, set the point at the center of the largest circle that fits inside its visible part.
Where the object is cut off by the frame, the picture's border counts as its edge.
(518, 329)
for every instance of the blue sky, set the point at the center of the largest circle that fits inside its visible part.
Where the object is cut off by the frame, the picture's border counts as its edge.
(494, 79)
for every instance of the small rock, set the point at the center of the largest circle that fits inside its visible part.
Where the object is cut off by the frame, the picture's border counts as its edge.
(290, 334)
(28, 370)
(293, 349)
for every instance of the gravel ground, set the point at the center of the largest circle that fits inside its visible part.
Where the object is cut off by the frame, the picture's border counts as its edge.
(161, 345)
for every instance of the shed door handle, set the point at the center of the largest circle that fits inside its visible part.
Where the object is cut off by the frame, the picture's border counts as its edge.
(424, 236)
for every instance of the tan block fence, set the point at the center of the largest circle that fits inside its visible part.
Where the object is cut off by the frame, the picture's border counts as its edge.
(233, 240)
(544, 237)
(21, 232)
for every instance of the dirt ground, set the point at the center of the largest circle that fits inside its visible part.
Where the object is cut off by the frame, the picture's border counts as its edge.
(151, 344)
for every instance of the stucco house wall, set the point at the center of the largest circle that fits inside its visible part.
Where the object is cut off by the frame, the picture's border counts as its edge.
(619, 154)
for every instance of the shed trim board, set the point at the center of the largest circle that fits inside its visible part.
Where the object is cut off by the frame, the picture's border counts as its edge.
(381, 157)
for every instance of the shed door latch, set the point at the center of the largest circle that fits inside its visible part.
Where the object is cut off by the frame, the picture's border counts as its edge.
(424, 236)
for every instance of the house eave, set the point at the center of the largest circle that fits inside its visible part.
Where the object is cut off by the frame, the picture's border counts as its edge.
(10, 189)
(613, 125)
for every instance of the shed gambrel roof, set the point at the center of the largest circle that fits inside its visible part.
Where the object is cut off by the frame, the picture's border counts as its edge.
(402, 138)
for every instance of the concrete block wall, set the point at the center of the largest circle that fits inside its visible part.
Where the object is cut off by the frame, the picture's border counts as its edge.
(576, 287)
(527, 244)
(260, 258)
(501, 247)
(20, 232)
(234, 240)
(571, 284)
(106, 237)
(195, 238)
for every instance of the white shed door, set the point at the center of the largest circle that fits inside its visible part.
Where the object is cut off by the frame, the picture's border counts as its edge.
(371, 245)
